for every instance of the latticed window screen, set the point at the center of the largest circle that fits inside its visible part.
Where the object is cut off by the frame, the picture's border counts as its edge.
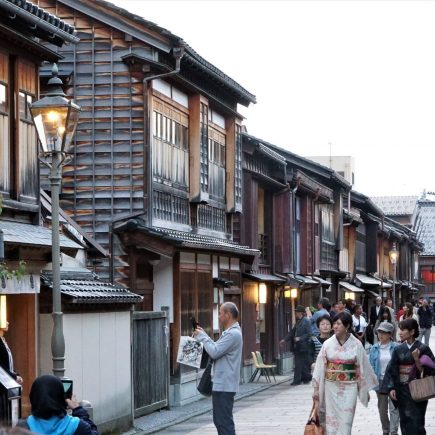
(238, 168)
(216, 141)
(328, 252)
(170, 146)
(204, 149)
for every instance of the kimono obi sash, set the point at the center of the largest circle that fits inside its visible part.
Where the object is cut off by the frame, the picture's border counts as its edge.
(340, 371)
(405, 372)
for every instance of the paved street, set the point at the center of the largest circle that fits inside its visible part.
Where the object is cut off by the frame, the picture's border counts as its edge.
(284, 410)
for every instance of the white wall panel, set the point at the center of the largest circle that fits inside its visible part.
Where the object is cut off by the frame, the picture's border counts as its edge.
(97, 352)
(163, 277)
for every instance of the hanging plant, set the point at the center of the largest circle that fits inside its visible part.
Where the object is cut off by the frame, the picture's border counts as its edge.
(18, 273)
(5, 272)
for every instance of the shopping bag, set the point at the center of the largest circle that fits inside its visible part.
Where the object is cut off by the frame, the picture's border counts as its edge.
(205, 385)
(422, 389)
(313, 427)
(190, 352)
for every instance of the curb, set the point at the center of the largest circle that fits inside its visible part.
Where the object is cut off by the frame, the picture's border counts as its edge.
(206, 409)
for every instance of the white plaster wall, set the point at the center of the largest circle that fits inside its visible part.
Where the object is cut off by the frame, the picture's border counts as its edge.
(97, 358)
(163, 287)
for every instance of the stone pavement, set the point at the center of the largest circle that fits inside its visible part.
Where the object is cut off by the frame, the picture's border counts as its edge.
(173, 417)
(281, 409)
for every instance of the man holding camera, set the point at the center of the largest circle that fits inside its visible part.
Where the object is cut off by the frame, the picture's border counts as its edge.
(226, 354)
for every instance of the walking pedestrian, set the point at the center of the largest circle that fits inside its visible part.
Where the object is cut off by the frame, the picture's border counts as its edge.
(380, 356)
(374, 311)
(324, 324)
(359, 324)
(322, 310)
(406, 365)
(385, 315)
(425, 321)
(299, 339)
(226, 353)
(341, 374)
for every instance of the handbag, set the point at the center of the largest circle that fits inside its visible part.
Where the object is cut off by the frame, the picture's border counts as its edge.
(205, 385)
(422, 389)
(313, 426)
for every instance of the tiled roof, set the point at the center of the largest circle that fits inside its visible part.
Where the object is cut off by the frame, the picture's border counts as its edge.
(89, 290)
(396, 205)
(27, 234)
(425, 226)
(190, 56)
(40, 20)
(190, 240)
(187, 239)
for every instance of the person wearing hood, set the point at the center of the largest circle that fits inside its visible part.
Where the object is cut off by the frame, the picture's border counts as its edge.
(49, 411)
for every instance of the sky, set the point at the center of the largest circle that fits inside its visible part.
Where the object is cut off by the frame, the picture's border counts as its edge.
(359, 75)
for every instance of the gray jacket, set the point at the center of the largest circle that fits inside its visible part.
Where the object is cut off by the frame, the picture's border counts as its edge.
(227, 356)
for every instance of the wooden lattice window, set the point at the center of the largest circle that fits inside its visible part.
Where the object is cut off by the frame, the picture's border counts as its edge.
(170, 146)
(216, 141)
(204, 149)
(238, 168)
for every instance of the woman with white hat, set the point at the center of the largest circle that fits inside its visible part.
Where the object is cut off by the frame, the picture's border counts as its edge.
(380, 356)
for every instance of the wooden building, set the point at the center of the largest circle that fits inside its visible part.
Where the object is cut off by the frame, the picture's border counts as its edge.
(157, 172)
(293, 214)
(27, 245)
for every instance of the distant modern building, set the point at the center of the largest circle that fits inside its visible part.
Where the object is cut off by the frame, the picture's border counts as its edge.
(343, 165)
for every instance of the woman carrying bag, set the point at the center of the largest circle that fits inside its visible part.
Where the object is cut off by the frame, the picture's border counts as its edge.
(405, 366)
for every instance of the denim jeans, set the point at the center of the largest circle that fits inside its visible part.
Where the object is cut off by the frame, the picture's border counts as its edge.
(424, 333)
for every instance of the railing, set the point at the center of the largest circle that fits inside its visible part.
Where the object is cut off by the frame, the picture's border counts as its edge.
(169, 207)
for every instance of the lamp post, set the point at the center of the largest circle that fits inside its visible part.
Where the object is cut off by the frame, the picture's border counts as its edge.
(394, 256)
(55, 118)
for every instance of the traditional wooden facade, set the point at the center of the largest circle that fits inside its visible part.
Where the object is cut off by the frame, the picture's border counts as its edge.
(157, 170)
(369, 238)
(316, 235)
(293, 214)
(27, 245)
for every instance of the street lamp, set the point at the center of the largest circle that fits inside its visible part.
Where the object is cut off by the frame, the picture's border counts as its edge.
(55, 118)
(394, 256)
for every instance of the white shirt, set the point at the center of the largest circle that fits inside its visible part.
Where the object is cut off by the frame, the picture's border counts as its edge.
(359, 324)
(384, 357)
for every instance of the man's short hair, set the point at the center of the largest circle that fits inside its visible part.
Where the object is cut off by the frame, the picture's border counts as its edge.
(379, 298)
(324, 302)
(231, 307)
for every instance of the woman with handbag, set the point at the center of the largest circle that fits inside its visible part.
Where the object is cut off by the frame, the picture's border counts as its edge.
(341, 374)
(404, 367)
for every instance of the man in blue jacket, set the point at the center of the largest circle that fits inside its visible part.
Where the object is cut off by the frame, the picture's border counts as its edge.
(227, 356)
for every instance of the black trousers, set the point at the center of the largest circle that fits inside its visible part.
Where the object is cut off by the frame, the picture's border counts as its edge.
(412, 414)
(302, 371)
(223, 403)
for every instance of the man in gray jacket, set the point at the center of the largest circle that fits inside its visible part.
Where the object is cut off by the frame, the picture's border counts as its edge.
(227, 356)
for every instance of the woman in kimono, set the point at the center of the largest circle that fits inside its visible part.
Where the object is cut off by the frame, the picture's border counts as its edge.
(341, 374)
(407, 362)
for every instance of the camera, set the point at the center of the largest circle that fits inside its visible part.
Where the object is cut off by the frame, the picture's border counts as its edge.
(194, 323)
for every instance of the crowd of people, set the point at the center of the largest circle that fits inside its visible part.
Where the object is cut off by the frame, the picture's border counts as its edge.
(347, 353)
